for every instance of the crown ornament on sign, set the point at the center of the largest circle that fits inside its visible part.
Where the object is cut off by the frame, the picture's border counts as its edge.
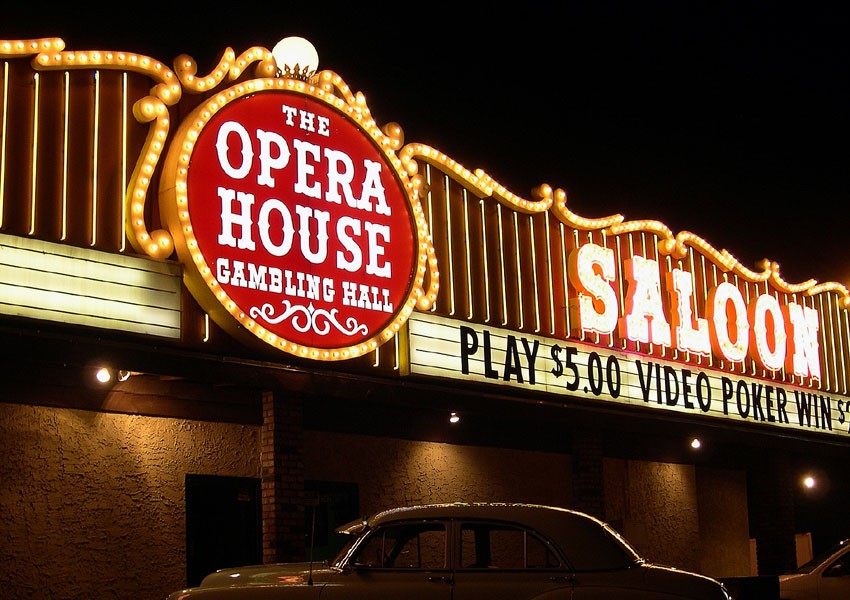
(296, 58)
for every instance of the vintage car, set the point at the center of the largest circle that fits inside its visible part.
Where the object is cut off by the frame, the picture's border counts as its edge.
(468, 551)
(825, 577)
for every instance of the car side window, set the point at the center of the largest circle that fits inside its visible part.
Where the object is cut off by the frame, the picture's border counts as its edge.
(404, 546)
(840, 568)
(498, 546)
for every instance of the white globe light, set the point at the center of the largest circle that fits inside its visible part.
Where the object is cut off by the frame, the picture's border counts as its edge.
(296, 57)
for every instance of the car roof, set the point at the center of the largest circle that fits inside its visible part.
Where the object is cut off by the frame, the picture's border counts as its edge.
(556, 523)
(529, 514)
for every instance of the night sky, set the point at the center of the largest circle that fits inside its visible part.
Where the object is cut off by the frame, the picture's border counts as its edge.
(725, 119)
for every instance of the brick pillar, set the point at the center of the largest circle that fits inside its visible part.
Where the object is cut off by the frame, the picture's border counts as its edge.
(588, 483)
(282, 464)
(771, 498)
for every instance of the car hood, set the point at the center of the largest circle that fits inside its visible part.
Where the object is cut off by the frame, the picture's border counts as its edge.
(794, 582)
(294, 574)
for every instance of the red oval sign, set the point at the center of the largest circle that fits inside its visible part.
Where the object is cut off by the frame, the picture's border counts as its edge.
(296, 220)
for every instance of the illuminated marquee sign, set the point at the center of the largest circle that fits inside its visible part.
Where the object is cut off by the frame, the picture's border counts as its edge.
(446, 348)
(294, 220)
(774, 335)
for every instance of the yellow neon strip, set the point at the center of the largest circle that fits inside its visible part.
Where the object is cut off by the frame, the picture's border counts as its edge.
(781, 373)
(705, 295)
(669, 263)
(827, 318)
(449, 266)
(3, 141)
(838, 349)
(469, 311)
(621, 280)
(504, 319)
(658, 261)
(486, 255)
(694, 309)
(534, 289)
(66, 120)
(576, 244)
(551, 275)
(95, 137)
(206, 327)
(34, 163)
(566, 277)
(518, 263)
(125, 103)
(845, 316)
(738, 285)
(430, 212)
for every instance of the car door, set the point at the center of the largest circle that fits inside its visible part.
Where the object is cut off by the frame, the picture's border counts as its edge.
(834, 582)
(499, 561)
(397, 561)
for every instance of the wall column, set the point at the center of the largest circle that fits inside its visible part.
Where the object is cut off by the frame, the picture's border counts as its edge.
(282, 472)
(588, 481)
(771, 499)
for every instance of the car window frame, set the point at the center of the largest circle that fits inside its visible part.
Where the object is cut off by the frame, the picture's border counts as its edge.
(367, 535)
(458, 526)
(839, 563)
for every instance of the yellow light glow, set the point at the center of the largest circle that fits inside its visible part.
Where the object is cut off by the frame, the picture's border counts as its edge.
(296, 57)
(591, 270)
(103, 375)
(644, 320)
(723, 296)
(802, 357)
(686, 336)
(767, 344)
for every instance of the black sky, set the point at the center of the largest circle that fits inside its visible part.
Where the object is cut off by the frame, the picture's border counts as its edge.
(725, 119)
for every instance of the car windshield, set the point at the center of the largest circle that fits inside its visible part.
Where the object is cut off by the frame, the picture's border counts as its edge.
(818, 559)
(346, 548)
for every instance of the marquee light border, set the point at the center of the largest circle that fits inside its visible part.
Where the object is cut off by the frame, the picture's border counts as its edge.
(50, 54)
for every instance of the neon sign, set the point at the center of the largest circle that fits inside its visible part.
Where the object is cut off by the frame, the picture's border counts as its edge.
(292, 218)
(732, 328)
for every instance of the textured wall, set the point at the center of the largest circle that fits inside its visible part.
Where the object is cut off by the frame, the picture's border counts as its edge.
(93, 503)
(723, 523)
(680, 515)
(654, 505)
(397, 472)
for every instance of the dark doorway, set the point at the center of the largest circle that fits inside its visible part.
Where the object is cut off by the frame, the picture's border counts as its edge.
(223, 524)
(338, 504)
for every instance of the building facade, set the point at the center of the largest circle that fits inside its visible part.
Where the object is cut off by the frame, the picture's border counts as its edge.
(290, 301)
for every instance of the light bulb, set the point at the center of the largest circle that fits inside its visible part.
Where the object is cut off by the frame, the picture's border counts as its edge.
(103, 375)
(296, 57)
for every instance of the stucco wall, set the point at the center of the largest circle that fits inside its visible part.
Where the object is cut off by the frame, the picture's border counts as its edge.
(93, 503)
(654, 505)
(398, 472)
(680, 515)
(723, 523)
